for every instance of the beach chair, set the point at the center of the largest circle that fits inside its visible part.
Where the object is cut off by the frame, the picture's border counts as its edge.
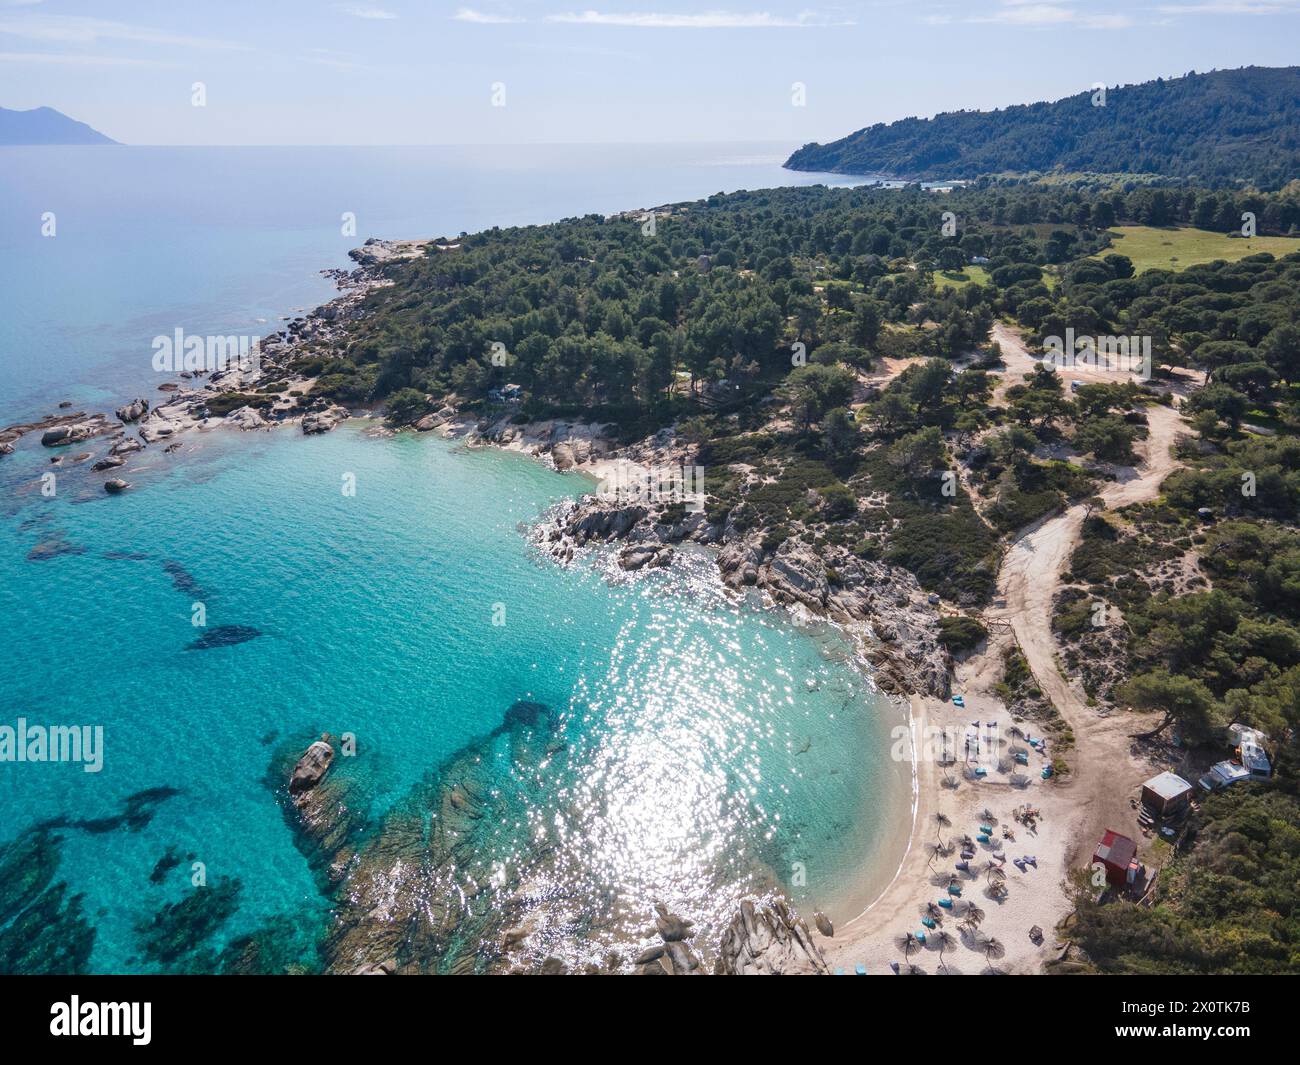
(861, 969)
(1047, 771)
(894, 965)
(953, 889)
(982, 772)
(946, 903)
(957, 700)
(981, 838)
(986, 829)
(929, 922)
(920, 938)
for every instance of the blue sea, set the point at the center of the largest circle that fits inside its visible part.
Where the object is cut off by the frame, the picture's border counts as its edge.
(712, 749)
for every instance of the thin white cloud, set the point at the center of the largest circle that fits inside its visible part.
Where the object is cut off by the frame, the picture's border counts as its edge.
(1043, 13)
(79, 29)
(483, 18)
(368, 12)
(1231, 7)
(64, 59)
(708, 20)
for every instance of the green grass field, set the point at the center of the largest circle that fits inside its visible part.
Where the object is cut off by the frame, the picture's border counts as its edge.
(967, 275)
(1175, 249)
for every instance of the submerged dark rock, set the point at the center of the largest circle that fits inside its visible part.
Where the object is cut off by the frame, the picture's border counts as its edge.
(179, 928)
(170, 860)
(182, 579)
(224, 636)
(136, 813)
(52, 547)
(42, 927)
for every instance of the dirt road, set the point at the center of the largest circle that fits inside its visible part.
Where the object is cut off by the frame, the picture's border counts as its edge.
(1103, 769)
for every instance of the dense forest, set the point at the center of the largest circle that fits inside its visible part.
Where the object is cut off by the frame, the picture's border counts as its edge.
(1222, 128)
(591, 314)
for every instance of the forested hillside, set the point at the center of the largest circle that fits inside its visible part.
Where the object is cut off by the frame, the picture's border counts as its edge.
(1221, 128)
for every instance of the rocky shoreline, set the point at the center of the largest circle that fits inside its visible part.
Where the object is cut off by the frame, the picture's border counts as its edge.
(884, 604)
(415, 895)
(199, 400)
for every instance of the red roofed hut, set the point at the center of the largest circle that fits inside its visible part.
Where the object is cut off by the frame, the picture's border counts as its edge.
(1118, 856)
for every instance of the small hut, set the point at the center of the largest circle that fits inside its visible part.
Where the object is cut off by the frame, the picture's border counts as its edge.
(1167, 795)
(1118, 856)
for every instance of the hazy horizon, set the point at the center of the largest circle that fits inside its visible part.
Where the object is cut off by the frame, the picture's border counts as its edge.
(538, 72)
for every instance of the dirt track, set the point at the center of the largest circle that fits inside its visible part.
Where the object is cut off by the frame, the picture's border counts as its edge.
(1103, 770)
(1074, 811)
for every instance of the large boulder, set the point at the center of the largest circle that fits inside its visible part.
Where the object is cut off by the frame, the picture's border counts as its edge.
(247, 418)
(797, 575)
(62, 435)
(322, 421)
(133, 411)
(434, 420)
(770, 941)
(640, 555)
(311, 767)
(739, 562)
(562, 456)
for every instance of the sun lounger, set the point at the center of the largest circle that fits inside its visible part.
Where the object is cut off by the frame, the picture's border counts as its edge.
(929, 922)
(861, 970)
(981, 838)
(920, 938)
(894, 965)
(986, 829)
(946, 903)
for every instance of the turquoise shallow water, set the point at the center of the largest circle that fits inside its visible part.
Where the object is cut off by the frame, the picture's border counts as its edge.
(719, 746)
(712, 749)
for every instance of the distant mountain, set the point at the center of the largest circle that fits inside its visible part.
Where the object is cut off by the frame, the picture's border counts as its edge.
(44, 125)
(1217, 128)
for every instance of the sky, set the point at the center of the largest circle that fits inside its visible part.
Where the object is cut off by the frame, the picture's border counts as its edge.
(548, 71)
